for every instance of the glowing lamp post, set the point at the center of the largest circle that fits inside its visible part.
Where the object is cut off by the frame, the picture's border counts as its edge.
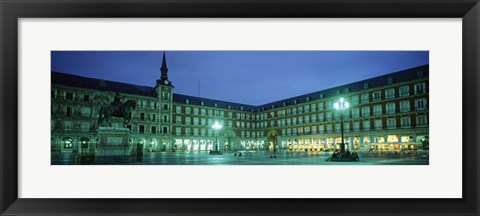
(340, 106)
(216, 126)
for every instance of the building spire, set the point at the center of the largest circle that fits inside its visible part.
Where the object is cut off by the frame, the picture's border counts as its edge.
(164, 69)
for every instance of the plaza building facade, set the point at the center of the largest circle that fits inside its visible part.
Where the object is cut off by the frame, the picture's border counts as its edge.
(386, 113)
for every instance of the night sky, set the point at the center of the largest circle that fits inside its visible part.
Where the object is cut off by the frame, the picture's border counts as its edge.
(248, 77)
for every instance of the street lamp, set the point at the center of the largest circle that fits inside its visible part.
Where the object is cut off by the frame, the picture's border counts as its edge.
(216, 126)
(340, 106)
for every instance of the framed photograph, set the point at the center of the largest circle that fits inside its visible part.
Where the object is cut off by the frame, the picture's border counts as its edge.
(224, 107)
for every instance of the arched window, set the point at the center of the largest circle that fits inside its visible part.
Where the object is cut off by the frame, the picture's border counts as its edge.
(84, 142)
(67, 143)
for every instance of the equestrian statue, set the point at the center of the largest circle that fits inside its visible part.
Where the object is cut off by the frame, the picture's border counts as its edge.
(117, 109)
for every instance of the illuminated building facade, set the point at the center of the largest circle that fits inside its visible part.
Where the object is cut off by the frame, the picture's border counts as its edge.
(386, 113)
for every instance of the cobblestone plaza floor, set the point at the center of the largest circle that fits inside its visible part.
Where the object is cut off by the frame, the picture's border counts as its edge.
(261, 158)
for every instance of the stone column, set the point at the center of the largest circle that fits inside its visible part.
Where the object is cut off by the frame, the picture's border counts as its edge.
(351, 146)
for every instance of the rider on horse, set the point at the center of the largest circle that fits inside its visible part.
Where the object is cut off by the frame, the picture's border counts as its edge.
(117, 109)
(117, 101)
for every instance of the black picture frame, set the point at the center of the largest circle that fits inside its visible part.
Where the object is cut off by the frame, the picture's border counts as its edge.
(11, 11)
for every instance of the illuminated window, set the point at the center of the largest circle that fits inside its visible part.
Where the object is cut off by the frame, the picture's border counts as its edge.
(404, 91)
(320, 105)
(346, 126)
(390, 93)
(354, 99)
(355, 112)
(365, 98)
(356, 126)
(329, 105)
(420, 104)
(337, 127)
(86, 111)
(405, 122)
(366, 125)
(365, 111)
(390, 107)
(404, 106)
(329, 116)
(392, 138)
(320, 117)
(329, 128)
(391, 123)
(420, 88)
(421, 121)
(377, 109)
(378, 124)
(376, 96)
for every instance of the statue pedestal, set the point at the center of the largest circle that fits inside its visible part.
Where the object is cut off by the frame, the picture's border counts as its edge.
(113, 146)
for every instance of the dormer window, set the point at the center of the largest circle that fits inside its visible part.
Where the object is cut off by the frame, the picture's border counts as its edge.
(420, 74)
(202, 103)
(102, 84)
(321, 96)
(187, 101)
(390, 80)
(366, 86)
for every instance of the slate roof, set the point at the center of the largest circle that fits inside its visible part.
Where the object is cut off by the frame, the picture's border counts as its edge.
(100, 85)
(400, 76)
(105, 85)
(180, 98)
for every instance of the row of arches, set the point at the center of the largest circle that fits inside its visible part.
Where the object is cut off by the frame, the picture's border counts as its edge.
(70, 144)
(228, 139)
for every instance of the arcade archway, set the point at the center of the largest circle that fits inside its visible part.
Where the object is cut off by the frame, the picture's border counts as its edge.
(272, 140)
(229, 141)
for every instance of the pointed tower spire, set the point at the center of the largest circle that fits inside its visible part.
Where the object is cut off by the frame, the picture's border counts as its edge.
(164, 69)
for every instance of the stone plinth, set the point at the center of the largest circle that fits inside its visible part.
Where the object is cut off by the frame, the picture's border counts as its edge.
(113, 146)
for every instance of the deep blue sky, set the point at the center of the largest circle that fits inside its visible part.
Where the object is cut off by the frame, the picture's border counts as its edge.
(249, 77)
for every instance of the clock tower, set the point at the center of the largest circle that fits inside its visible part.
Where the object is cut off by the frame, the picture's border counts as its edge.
(164, 90)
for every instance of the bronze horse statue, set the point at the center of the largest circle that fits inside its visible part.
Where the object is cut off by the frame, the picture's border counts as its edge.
(123, 110)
